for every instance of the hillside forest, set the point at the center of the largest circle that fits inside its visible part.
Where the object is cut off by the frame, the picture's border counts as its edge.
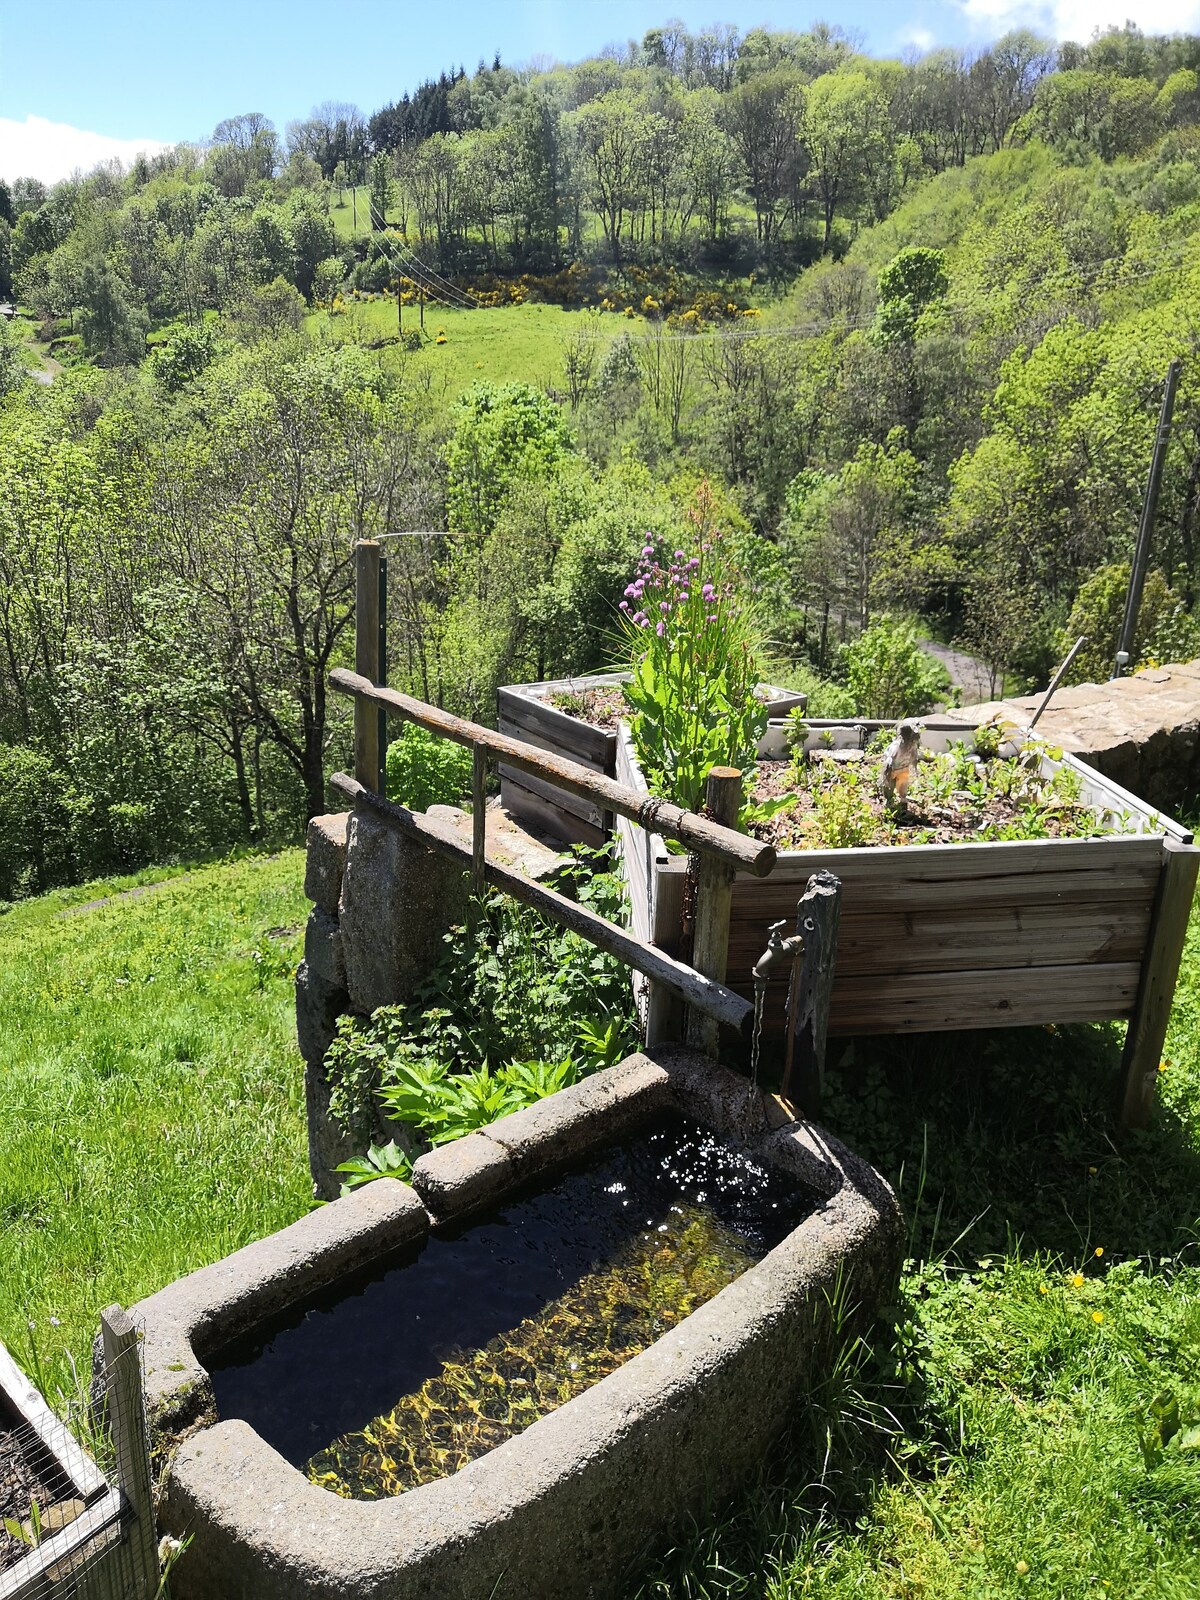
(908, 319)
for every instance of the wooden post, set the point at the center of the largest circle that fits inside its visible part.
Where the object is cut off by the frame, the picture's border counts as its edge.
(366, 660)
(714, 892)
(127, 1418)
(1147, 1029)
(817, 917)
(381, 714)
(478, 824)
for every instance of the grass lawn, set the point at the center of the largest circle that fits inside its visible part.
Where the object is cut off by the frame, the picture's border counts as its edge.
(1024, 1420)
(506, 344)
(151, 1097)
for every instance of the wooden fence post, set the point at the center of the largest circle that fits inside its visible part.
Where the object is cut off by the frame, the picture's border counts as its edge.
(714, 893)
(366, 661)
(817, 917)
(127, 1418)
(1147, 1029)
(478, 825)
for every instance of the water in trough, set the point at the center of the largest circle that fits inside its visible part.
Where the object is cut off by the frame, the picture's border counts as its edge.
(402, 1376)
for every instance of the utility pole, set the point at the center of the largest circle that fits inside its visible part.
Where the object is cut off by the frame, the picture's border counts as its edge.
(1141, 554)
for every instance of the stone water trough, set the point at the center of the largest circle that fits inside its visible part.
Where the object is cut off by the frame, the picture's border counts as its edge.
(569, 1505)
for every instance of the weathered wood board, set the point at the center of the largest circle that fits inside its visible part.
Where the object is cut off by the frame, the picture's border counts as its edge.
(935, 937)
(524, 711)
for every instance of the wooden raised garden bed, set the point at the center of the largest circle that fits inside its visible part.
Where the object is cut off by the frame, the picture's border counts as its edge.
(527, 711)
(973, 935)
(78, 1514)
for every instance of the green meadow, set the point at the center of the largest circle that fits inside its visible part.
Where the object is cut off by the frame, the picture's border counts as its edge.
(1023, 1419)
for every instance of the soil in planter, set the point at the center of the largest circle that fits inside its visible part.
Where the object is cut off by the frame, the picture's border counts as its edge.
(433, 1363)
(602, 707)
(836, 801)
(21, 1483)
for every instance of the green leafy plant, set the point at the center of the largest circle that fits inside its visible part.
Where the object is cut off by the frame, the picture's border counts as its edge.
(380, 1161)
(27, 1533)
(424, 770)
(542, 1002)
(889, 675)
(692, 644)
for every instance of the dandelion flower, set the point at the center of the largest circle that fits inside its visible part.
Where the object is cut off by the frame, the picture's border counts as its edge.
(1042, 1289)
(1097, 1316)
(1099, 1250)
(1077, 1281)
(1022, 1568)
(1093, 1171)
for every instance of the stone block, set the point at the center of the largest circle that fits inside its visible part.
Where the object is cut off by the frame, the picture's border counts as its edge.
(325, 860)
(556, 1130)
(323, 948)
(462, 1176)
(505, 841)
(319, 1004)
(398, 900)
(329, 1144)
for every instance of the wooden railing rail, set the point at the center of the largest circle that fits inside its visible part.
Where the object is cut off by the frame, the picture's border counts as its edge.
(698, 833)
(696, 990)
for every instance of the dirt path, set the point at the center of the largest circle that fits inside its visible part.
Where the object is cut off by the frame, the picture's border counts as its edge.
(966, 672)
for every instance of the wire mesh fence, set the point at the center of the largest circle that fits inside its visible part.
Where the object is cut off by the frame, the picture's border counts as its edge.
(77, 1523)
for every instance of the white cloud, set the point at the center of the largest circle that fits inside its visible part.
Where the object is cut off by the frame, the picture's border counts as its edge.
(921, 38)
(37, 148)
(1078, 19)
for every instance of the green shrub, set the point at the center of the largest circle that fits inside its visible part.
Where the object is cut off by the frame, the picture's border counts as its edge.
(889, 675)
(424, 770)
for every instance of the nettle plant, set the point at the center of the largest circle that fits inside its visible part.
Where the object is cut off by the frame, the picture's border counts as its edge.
(515, 1012)
(692, 645)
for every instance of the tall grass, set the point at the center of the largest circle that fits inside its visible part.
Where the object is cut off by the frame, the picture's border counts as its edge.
(151, 1096)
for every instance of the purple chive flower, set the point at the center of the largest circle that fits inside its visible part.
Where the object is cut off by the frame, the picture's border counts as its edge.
(664, 606)
(660, 630)
(683, 594)
(681, 555)
(624, 606)
(707, 593)
(647, 552)
(713, 618)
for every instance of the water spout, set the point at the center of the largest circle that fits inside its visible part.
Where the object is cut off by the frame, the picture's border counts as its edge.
(779, 952)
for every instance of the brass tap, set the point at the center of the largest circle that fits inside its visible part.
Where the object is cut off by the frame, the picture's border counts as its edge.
(779, 951)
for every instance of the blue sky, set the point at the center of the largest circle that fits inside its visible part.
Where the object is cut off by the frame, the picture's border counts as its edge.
(163, 70)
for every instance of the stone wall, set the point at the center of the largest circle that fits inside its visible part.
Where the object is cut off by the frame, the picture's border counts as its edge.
(382, 906)
(1143, 731)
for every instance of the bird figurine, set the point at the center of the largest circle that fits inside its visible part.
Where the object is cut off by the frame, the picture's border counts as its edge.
(900, 762)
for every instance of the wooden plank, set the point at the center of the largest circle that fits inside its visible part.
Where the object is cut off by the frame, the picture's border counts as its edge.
(547, 816)
(942, 939)
(692, 987)
(366, 660)
(571, 805)
(939, 1001)
(714, 889)
(860, 895)
(478, 822)
(1101, 788)
(32, 1410)
(127, 1418)
(1160, 970)
(536, 721)
(692, 830)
